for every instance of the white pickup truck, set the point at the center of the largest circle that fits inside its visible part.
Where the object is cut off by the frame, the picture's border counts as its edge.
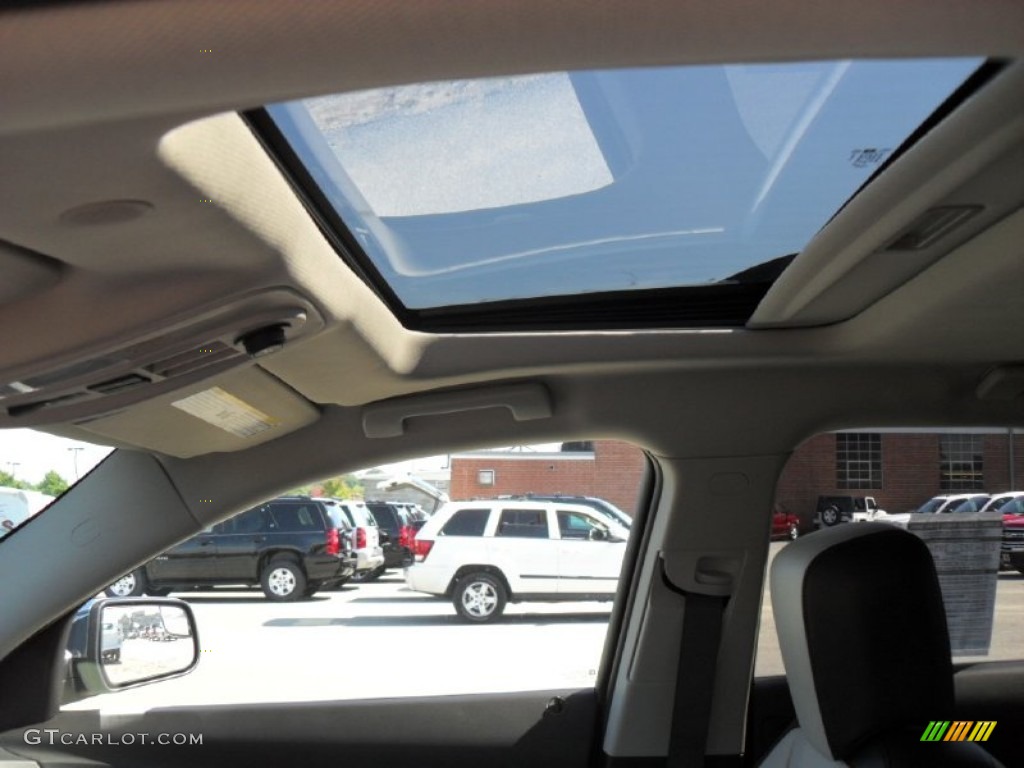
(832, 510)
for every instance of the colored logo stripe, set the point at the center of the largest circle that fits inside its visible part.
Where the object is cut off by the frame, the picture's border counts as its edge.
(982, 730)
(958, 730)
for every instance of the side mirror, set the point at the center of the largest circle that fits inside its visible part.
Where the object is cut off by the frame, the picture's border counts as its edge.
(598, 534)
(117, 643)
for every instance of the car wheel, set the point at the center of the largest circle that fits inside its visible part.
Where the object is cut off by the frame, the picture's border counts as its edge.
(830, 515)
(794, 532)
(479, 597)
(130, 585)
(365, 576)
(283, 580)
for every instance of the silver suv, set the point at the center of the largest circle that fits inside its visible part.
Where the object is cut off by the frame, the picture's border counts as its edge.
(364, 536)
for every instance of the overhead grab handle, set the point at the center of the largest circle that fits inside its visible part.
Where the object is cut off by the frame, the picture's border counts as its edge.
(526, 402)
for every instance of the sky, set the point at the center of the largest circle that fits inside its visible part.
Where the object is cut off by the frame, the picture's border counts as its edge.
(29, 455)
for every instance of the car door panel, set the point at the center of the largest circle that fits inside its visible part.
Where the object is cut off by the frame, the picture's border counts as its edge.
(586, 565)
(193, 559)
(544, 728)
(239, 544)
(523, 547)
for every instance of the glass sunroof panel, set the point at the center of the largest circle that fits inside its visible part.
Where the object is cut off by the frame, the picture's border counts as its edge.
(474, 191)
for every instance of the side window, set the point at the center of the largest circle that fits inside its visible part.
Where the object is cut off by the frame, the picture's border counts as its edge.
(979, 558)
(401, 586)
(253, 521)
(523, 523)
(290, 518)
(386, 518)
(573, 525)
(466, 522)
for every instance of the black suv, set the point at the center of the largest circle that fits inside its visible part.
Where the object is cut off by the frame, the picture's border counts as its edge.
(291, 546)
(397, 530)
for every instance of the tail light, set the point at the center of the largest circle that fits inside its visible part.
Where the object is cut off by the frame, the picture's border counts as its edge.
(360, 538)
(406, 535)
(333, 542)
(421, 548)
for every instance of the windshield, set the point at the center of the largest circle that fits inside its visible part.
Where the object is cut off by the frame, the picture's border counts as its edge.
(931, 506)
(472, 191)
(36, 469)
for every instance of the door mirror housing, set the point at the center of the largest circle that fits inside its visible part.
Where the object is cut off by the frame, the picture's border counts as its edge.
(118, 643)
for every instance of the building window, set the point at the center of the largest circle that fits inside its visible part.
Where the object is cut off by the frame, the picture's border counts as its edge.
(485, 477)
(858, 460)
(960, 463)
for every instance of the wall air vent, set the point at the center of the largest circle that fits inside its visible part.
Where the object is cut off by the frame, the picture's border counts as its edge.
(193, 359)
(931, 226)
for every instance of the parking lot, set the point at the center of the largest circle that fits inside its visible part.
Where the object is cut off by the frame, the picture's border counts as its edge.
(380, 640)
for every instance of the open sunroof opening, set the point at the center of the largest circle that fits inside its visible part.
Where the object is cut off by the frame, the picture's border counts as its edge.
(620, 198)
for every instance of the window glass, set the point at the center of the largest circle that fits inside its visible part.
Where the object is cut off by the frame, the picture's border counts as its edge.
(979, 556)
(397, 605)
(961, 463)
(858, 460)
(573, 525)
(386, 517)
(253, 521)
(657, 177)
(467, 522)
(523, 523)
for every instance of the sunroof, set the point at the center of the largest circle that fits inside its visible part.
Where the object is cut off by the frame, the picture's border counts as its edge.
(472, 194)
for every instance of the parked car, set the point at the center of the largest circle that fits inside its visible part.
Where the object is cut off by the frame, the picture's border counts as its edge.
(291, 547)
(832, 510)
(953, 502)
(364, 537)
(484, 554)
(1013, 542)
(397, 531)
(784, 523)
(1011, 502)
(606, 508)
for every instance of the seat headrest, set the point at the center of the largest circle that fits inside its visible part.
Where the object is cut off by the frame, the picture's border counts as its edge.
(863, 634)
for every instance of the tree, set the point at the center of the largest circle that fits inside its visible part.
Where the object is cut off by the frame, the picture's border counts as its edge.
(8, 480)
(342, 487)
(52, 484)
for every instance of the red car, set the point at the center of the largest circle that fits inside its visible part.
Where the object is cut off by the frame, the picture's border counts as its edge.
(784, 523)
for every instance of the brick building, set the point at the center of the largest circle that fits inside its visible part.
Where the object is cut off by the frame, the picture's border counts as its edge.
(608, 469)
(900, 469)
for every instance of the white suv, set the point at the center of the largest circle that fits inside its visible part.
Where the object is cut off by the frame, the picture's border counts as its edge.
(483, 554)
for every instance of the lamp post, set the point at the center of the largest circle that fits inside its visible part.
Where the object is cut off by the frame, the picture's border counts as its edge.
(74, 454)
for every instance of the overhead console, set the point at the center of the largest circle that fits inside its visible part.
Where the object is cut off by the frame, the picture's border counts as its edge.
(181, 353)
